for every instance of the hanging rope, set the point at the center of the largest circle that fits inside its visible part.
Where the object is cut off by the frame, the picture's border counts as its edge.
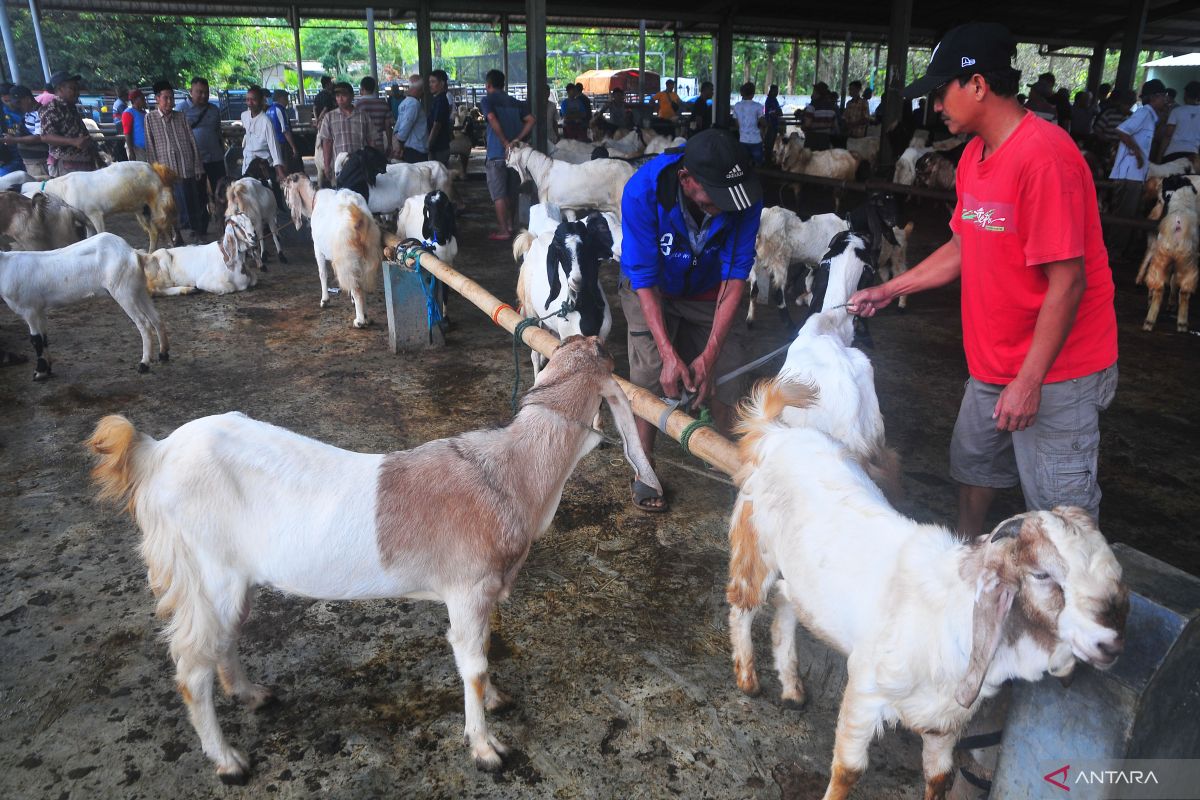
(433, 308)
(563, 311)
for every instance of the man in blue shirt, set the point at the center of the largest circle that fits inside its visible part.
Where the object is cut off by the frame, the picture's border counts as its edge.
(688, 220)
(509, 120)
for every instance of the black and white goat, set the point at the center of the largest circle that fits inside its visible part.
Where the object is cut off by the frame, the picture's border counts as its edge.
(571, 252)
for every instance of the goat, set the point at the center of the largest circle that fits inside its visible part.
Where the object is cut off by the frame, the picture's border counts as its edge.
(930, 623)
(905, 172)
(40, 222)
(344, 233)
(14, 180)
(250, 197)
(572, 253)
(397, 182)
(865, 147)
(573, 151)
(572, 187)
(218, 267)
(1172, 252)
(786, 148)
(32, 283)
(359, 171)
(226, 503)
(893, 259)
(661, 143)
(935, 170)
(430, 220)
(785, 239)
(837, 164)
(126, 186)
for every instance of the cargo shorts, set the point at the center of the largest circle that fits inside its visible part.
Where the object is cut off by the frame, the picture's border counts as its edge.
(502, 180)
(689, 324)
(1054, 460)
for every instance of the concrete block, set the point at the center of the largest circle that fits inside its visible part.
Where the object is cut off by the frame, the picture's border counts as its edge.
(1146, 707)
(408, 326)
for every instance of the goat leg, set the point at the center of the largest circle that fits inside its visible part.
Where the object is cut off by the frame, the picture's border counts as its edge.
(469, 634)
(937, 761)
(783, 646)
(41, 347)
(858, 719)
(741, 622)
(1185, 297)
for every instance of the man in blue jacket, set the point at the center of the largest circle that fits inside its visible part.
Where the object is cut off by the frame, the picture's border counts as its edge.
(689, 219)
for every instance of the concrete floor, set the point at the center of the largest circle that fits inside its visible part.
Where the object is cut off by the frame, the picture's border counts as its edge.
(614, 643)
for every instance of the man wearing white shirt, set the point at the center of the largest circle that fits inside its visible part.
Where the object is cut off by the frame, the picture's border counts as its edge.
(1133, 159)
(411, 131)
(259, 141)
(1181, 138)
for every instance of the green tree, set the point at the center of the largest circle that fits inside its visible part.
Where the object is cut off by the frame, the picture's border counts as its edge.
(335, 48)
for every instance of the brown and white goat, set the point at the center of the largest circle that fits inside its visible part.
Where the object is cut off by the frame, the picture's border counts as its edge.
(226, 503)
(1172, 252)
(930, 624)
(40, 222)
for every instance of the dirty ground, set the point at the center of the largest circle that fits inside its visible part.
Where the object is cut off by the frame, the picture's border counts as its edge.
(614, 643)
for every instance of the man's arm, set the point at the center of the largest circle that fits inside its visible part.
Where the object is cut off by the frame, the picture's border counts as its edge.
(728, 300)
(1168, 133)
(1017, 407)
(405, 120)
(528, 126)
(327, 154)
(941, 267)
(434, 130)
(1128, 141)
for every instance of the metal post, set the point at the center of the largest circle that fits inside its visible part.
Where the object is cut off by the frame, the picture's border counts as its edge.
(897, 67)
(817, 65)
(678, 59)
(371, 43)
(10, 49)
(845, 71)
(535, 56)
(35, 15)
(641, 62)
(295, 19)
(1095, 74)
(424, 47)
(875, 67)
(1131, 43)
(724, 70)
(504, 44)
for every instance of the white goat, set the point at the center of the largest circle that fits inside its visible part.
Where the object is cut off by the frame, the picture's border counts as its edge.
(1171, 253)
(32, 283)
(785, 239)
(126, 186)
(893, 259)
(344, 233)
(865, 147)
(930, 623)
(218, 267)
(257, 202)
(573, 187)
(837, 164)
(906, 165)
(572, 151)
(226, 503)
(14, 179)
(661, 143)
(430, 220)
(571, 252)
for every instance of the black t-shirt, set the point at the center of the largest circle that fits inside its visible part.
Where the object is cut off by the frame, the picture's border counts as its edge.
(440, 112)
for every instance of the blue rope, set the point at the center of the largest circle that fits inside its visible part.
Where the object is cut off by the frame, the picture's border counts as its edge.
(433, 309)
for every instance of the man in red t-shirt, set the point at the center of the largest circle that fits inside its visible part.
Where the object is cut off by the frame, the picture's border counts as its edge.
(1039, 328)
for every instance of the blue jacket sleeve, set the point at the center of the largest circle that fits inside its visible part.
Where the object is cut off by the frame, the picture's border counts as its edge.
(737, 256)
(639, 234)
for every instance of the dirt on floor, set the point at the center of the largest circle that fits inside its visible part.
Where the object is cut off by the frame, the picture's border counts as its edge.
(614, 644)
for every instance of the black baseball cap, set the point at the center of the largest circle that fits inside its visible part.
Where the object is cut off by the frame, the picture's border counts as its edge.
(59, 78)
(722, 165)
(1152, 87)
(18, 91)
(965, 50)
(344, 88)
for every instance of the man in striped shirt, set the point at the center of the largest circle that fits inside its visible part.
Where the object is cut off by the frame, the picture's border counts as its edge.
(379, 111)
(169, 142)
(345, 129)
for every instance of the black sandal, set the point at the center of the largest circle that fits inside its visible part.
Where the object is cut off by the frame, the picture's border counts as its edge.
(643, 493)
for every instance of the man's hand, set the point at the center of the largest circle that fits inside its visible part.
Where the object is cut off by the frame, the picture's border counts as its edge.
(83, 142)
(1017, 407)
(866, 302)
(280, 173)
(703, 377)
(674, 372)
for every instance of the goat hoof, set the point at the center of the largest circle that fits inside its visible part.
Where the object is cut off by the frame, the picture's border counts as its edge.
(239, 778)
(235, 773)
(489, 760)
(263, 699)
(41, 376)
(795, 704)
(1147, 326)
(325, 303)
(164, 356)
(1181, 328)
(282, 259)
(143, 367)
(366, 323)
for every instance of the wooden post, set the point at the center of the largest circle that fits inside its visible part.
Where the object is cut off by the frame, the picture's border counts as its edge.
(845, 71)
(817, 63)
(535, 74)
(425, 49)
(705, 442)
(678, 59)
(641, 64)
(723, 82)
(504, 44)
(295, 19)
(1095, 74)
(897, 68)
(1131, 44)
(371, 44)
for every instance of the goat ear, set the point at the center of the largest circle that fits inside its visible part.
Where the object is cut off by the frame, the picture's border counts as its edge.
(426, 223)
(224, 253)
(993, 600)
(553, 259)
(622, 413)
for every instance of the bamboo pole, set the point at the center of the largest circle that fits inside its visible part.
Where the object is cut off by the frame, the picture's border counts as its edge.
(705, 442)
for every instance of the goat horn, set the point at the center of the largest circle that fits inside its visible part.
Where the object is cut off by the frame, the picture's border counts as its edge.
(1009, 529)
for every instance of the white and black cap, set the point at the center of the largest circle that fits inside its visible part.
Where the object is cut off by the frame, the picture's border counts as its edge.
(722, 165)
(965, 50)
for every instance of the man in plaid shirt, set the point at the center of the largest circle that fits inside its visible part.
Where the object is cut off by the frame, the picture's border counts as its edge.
(345, 129)
(169, 142)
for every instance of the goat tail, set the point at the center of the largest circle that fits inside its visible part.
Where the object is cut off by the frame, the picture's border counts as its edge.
(116, 442)
(521, 244)
(165, 174)
(883, 467)
(365, 246)
(747, 570)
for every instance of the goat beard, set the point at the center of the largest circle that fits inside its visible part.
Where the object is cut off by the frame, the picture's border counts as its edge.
(1062, 661)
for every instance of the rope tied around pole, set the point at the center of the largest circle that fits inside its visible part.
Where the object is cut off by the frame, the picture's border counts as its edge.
(566, 308)
(433, 309)
(705, 421)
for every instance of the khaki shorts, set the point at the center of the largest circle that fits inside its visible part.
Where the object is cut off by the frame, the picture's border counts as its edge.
(1054, 460)
(502, 181)
(688, 323)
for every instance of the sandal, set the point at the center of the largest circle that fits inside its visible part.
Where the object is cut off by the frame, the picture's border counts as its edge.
(643, 493)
